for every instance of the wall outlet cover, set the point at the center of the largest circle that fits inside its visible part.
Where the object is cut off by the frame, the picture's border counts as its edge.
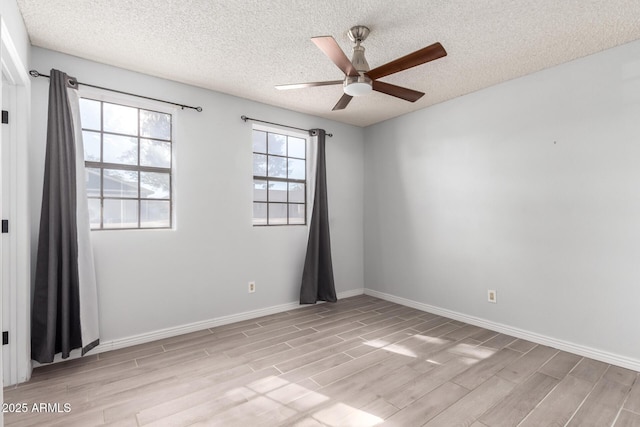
(492, 296)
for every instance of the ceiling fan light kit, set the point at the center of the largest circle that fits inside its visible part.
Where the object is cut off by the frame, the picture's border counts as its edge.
(357, 86)
(359, 79)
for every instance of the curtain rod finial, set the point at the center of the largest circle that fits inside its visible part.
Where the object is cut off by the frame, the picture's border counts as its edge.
(34, 73)
(244, 118)
(199, 109)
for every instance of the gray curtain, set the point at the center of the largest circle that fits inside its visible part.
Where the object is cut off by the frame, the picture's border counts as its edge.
(317, 276)
(57, 316)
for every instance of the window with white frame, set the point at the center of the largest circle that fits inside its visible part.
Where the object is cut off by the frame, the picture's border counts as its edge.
(279, 178)
(128, 161)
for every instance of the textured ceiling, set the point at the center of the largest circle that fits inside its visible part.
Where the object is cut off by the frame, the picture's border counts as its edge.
(245, 47)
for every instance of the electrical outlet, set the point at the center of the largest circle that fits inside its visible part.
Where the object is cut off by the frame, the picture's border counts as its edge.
(492, 296)
(252, 287)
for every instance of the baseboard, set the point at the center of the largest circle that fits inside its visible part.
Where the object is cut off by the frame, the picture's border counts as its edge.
(570, 347)
(210, 323)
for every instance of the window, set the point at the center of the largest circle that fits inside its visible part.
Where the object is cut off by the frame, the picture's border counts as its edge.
(127, 153)
(279, 179)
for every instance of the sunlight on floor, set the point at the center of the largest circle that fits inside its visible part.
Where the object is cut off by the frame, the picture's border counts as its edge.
(394, 348)
(473, 351)
(430, 340)
(338, 413)
(276, 399)
(400, 349)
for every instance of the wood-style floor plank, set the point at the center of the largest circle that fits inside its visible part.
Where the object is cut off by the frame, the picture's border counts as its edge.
(519, 370)
(520, 402)
(602, 405)
(633, 401)
(559, 405)
(359, 362)
(627, 419)
(560, 365)
(428, 406)
(485, 369)
(466, 410)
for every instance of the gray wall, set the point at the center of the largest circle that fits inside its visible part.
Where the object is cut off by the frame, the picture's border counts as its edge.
(531, 188)
(154, 279)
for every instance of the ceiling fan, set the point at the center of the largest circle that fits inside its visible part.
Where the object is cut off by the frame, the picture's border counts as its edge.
(359, 79)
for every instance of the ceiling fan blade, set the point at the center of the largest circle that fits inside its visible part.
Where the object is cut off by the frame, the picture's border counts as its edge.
(343, 102)
(397, 91)
(418, 57)
(329, 47)
(310, 84)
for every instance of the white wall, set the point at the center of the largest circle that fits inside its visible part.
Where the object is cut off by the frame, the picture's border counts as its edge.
(532, 188)
(154, 279)
(15, 25)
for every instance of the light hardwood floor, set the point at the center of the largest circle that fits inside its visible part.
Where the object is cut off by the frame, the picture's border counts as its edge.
(359, 362)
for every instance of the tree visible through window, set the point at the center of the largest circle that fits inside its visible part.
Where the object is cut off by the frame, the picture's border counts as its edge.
(127, 152)
(279, 179)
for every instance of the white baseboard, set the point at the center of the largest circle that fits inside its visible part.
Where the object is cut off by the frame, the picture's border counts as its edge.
(211, 323)
(570, 347)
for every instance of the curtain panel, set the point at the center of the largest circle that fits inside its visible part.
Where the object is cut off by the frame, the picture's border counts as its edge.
(64, 314)
(317, 276)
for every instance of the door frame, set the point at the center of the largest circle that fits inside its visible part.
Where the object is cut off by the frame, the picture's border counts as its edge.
(19, 213)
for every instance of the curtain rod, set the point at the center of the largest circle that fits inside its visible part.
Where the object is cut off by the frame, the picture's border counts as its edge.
(35, 73)
(245, 118)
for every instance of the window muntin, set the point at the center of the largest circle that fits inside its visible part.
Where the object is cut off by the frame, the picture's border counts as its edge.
(279, 179)
(128, 160)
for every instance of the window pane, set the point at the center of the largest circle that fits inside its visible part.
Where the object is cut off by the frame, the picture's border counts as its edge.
(120, 119)
(120, 183)
(155, 185)
(277, 144)
(259, 165)
(296, 192)
(259, 213)
(93, 182)
(155, 153)
(277, 213)
(259, 190)
(120, 149)
(91, 142)
(284, 160)
(277, 167)
(155, 214)
(297, 169)
(155, 125)
(297, 147)
(296, 214)
(90, 114)
(120, 213)
(123, 196)
(277, 191)
(94, 213)
(259, 141)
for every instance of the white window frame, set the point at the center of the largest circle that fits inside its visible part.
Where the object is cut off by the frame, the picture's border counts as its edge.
(308, 181)
(135, 102)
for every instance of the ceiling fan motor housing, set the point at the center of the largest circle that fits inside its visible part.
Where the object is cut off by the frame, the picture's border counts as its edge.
(362, 84)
